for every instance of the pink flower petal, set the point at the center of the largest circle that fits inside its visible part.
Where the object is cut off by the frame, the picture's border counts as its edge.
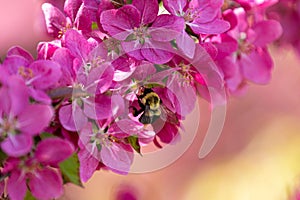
(35, 118)
(52, 151)
(55, 19)
(100, 78)
(166, 28)
(215, 27)
(77, 44)
(117, 157)
(46, 72)
(175, 6)
(14, 62)
(72, 117)
(16, 186)
(118, 23)
(19, 51)
(157, 52)
(88, 165)
(186, 44)
(257, 66)
(71, 8)
(266, 31)
(148, 10)
(45, 184)
(17, 145)
(17, 95)
(98, 108)
(64, 58)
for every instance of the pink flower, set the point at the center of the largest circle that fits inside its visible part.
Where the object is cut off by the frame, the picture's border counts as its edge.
(144, 35)
(77, 14)
(106, 144)
(43, 181)
(203, 16)
(251, 61)
(19, 120)
(39, 75)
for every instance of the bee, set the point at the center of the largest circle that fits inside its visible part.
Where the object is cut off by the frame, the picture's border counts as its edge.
(151, 107)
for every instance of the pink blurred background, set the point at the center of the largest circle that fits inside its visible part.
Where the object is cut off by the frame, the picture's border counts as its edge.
(257, 156)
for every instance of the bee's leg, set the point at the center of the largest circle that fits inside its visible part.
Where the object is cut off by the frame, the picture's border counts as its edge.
(136, 112)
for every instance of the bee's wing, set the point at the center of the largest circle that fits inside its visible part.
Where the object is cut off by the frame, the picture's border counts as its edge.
(168, 115)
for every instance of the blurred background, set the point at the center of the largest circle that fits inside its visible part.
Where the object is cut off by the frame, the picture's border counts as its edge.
(257, 156)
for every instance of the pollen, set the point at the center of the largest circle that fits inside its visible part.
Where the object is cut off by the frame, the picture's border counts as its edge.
(25, 72)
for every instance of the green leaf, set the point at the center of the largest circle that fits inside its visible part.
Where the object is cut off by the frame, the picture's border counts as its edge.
(134, 143)
(70, 170)
(29, 196)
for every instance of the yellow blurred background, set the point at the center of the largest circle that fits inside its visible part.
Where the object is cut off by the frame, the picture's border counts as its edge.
(256, 158)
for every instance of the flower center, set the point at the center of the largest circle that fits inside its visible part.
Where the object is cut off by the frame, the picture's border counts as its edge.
(141, 34)
(7, 126)
(244, 45)
(190, 15)
(25, 72)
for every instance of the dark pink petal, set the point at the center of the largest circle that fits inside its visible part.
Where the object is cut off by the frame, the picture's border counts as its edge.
(16, 185)
(34, 118)
(266, 32)
(257, 66)
(88, 165)
(186, 44)
(119, 23)
(226, 47)
(77, 44)
(123, 68)
(167, 133)
(211, 49)
(46, 72)
(83, 20)
(215, 27)
(118, 157)
(19, 51)
(45, 184)
(148, 10)
(166, 28)
(99, 107)
(17, 145)
(52, 151)
(175, 7)
(46, 49)
(232, 74)
(229, 16)
(55, 19)
(157, 52)
(71, 8)
(72, 117)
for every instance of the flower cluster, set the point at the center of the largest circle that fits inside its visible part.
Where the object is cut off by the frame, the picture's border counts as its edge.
(119, 75)
(287, 12)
